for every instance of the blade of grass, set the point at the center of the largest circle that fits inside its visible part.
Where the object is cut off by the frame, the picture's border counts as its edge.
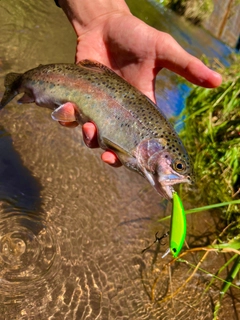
(219, 271)
(227, 283)
(205, 208)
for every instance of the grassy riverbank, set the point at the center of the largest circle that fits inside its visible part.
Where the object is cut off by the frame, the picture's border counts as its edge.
(194, 10)
(212, 137)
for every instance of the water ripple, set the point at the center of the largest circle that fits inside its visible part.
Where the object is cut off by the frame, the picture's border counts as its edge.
(29, 254)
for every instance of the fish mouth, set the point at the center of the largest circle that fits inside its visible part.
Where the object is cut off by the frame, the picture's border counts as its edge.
(163, 183)
(167, 181)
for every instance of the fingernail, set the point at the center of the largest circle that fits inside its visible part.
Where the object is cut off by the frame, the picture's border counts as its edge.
(86, 139)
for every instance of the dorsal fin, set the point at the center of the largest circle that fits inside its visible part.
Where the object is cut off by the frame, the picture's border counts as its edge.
(94, 65)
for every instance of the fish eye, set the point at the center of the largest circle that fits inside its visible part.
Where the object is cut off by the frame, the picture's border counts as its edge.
(179, 165)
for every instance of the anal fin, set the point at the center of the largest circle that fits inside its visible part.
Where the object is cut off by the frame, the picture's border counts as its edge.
(26, 98)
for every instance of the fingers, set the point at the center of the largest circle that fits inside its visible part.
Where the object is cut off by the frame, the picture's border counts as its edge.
(172, 56)
(90, 135)
(110, 158)
(89, 131)
(199, 74)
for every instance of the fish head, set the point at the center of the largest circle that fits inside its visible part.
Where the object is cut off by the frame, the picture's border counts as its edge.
(171, 170)
(165, 165)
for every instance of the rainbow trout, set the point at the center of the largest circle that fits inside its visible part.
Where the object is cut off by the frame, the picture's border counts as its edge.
(128, 122)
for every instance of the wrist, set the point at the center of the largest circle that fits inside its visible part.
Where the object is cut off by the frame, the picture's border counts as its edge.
(84, 14)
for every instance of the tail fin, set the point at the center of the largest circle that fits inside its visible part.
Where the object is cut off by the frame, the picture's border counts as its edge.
(11, 83)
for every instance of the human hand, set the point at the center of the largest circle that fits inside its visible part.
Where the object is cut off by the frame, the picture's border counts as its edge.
(137, 52)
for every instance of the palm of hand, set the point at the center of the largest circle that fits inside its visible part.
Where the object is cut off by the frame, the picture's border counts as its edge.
(127, 46)
(137, 52)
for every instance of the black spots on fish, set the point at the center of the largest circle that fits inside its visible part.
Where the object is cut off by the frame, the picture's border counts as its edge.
(132, 103)
(151, 119)
(180, 142)
(68, 67)
(184, 156)
(44, 71)
(125, 124)
(117, 117)
(58, 69)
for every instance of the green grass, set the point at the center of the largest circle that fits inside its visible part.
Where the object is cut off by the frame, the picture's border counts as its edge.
(211, 134)
(212, 137)
(194, 10)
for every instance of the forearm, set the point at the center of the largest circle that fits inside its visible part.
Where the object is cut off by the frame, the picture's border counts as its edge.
(83, 13)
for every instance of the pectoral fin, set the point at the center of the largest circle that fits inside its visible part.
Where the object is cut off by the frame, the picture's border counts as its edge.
(96, 66)
(114, 146)
(65, 113)
(126, 158)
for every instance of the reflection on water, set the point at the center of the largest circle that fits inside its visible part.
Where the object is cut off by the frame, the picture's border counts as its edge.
(71, 228)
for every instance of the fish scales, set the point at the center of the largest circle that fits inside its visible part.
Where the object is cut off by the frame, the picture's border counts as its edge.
(98, 102)
(143, 112)
(128, 122)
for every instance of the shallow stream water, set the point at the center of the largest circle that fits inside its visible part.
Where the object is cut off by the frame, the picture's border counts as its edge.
(71, 228)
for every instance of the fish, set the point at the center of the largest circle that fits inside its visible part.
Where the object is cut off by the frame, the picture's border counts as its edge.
(128, 122)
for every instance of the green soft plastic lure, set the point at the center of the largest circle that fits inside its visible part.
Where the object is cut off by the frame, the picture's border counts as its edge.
(178, 226)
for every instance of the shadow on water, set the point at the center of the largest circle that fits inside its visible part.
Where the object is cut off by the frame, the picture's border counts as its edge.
(27, 246)
(17, 185)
